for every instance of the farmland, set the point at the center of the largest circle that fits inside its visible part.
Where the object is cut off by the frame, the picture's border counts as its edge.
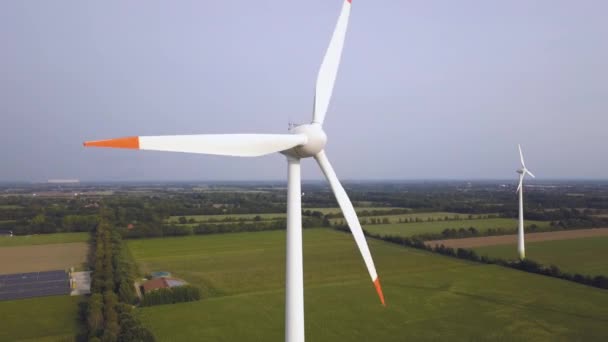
(265, 216)
(42, 257)
(43, 239)
(40, 319)
(9, 207)
(429, 297)
(582, 255)
(415, 228)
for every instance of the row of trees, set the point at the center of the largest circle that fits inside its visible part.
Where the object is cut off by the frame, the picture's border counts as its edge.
(526, 265)
(109, 314)
(142, 230)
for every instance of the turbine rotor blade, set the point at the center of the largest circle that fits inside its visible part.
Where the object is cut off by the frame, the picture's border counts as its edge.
(521, 182)
(238, 145)
(521, 156)
(351, 218)
(530, 173)
(329, 67)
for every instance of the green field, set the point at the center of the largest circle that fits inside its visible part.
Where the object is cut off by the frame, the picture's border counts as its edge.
(43, 239)
(416, 228)
(9, 206)
(429, 297)
(584, 255)
(40, 319)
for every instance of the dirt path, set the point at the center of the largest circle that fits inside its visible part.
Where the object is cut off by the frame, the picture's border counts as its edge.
(38, 258)
(512, 239)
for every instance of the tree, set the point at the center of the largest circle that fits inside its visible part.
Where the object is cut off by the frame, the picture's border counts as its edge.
(95, 314)
(126, 293)
(182, 220)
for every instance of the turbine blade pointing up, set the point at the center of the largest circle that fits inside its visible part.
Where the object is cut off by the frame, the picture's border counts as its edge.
(238, 145)
(521, 157)
(329, 68)
(351, 218)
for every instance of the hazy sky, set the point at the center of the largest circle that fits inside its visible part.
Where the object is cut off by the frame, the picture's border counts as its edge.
(426, 89)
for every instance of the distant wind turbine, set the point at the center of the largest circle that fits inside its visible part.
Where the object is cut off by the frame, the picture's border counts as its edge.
(521, 249)
(307, 140)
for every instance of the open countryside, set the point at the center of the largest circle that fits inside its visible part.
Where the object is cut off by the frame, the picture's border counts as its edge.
(46, 319)
(431, 296)
(43, 239)
(583, 255)
(436, 227)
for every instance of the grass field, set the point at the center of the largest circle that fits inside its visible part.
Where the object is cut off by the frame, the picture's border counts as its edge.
(584, 255)
(9, 206)
(43, 239)
(40, 319)
(429, 297)
(410, 229)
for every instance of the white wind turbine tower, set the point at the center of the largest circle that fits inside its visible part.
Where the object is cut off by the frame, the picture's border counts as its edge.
(521, 249)
(304, 141)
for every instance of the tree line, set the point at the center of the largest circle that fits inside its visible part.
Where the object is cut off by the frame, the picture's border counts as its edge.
(526, 265)
(109, 311)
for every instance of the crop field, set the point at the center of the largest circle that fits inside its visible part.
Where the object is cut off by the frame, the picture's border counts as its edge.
(583, 255)
(40, 319)
(415, 228)
(429, 297)
(43, 239)
(21, 259)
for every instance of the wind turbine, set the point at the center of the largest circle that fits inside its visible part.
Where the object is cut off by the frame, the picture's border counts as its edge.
(304, 141)
(521, 249)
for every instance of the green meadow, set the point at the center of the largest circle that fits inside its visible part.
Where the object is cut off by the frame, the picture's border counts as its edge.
(43, 239)
(429, 297)
(585, 255)
(40, 319)
(9, 206)
(416, 228)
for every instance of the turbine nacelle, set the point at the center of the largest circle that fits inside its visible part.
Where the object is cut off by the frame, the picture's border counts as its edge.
(315, 141)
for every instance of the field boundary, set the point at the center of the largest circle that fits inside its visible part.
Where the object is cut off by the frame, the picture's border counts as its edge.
(512, 239)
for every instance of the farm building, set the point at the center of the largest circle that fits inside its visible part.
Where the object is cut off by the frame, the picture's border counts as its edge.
(161, 283)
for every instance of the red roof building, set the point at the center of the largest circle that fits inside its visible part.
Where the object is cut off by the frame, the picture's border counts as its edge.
(162, 283)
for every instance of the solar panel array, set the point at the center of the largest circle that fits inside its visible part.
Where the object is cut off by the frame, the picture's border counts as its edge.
(34, 284)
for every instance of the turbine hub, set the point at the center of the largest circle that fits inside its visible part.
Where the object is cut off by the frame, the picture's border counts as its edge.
(315, 144)
(520, 171)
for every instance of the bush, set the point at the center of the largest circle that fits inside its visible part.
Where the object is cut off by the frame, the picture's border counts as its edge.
(185, 293)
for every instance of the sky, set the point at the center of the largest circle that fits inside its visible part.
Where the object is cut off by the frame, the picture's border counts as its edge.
(426, 90)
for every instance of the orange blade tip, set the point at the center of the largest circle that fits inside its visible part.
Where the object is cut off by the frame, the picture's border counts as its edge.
(379, 290)
(128, 142)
